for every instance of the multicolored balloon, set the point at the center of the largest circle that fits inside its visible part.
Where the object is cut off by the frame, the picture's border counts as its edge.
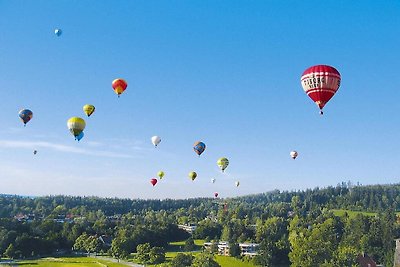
(160, 174)
(320, 83)
(199, 148)
(119, 86)
(88, 109)
(223, 163)
(76, 126)
(192, 175)
(25, 115)
(294, 154)
(153, 181)
(156, 140)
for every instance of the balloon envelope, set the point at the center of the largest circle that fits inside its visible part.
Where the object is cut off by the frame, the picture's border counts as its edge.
(213, 180)
(199, 147)
(153, 181)
(192, 175)
(34, 152)
(320, 83)
(119, 85)
(223, 163)
(25, 115)
(237, 183)
(160, 174)
(216, 194)
(88, 109)
(58, 32)
(294, 154)
(76, 125)
(156, 140)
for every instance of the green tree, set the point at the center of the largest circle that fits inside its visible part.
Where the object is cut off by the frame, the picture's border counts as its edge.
(312, 246)
(189, 244)
(205, 260)
(346, 256)
(80, 242)
(119, 248)
(10, 251)
(156, 255)
(234, 249)
(143, 253)
(182, 260)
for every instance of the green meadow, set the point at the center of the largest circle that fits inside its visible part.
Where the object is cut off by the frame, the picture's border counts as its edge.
(67, 262)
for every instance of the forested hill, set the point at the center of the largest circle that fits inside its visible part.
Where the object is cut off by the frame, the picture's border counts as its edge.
(373, 198)
(286, 225)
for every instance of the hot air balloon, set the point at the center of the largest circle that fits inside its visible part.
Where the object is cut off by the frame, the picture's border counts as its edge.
(153, 181)
(80, 136)
(25, 115)
(320, 83)
(88, 109)
(58, 32)
(34, 152)
(213, 180)
(160, 174)
(119, 86)
(294, 154)
(223, 163)
(199, 148)
(156, 140)
(76, 126)
(192, 175)
(216, 194)
(237, 183)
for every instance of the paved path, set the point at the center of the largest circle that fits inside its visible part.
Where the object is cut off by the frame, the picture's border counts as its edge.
(120, 261)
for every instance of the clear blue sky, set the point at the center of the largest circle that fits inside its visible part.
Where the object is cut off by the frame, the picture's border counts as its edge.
(223, 72)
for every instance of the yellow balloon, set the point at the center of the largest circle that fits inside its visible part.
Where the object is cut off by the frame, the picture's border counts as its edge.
(76, 125)
(192, 175)
(160, 174)
(223, 163)
(88, 109)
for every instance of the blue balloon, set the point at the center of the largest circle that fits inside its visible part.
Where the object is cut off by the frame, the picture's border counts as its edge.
(57, 32)
(80, 136)
(199, 147)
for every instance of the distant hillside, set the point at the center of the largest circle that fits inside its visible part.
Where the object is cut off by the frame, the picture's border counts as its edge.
(369, 198)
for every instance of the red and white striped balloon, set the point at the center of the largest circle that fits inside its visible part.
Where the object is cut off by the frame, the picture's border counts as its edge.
(320, 83)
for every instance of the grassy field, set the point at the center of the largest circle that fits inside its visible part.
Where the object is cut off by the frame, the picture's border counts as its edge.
(69, 262)
(225, 261)
(177, 247)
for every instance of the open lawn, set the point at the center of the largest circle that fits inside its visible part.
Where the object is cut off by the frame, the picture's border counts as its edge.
(352, 213)
(179, 246)
(68, 262)
(225, 261)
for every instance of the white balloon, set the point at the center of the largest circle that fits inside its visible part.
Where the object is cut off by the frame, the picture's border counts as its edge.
(294, 154)
(237, 183)
(155, 140)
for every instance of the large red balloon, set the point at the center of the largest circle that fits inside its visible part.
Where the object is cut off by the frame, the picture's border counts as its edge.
(320, 83)
(119, 86)
(153, 181)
